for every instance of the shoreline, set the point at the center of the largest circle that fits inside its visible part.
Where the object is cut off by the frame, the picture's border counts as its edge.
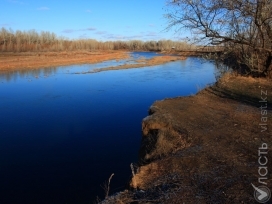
(30, 61)
(139, 64)
(202, 145)
(202, 148)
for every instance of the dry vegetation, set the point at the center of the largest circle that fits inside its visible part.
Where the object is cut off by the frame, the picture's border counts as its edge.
(28, 60)
(197, 149)
(32, 41)
(31, 49)
(243, 28)
(203, 148)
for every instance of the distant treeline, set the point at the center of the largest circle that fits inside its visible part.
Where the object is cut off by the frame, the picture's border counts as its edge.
(25, 41)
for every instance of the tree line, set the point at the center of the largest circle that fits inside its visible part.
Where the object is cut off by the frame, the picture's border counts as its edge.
(25, 41)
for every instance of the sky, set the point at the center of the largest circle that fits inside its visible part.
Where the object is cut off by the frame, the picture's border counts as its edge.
(103, 20)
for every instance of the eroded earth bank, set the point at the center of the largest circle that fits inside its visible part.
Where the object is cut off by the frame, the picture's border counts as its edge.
(204, 148)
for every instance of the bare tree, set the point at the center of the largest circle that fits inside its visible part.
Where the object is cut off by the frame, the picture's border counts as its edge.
(244, 27)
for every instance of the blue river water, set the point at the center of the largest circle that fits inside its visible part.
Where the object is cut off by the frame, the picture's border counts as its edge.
(62, 134)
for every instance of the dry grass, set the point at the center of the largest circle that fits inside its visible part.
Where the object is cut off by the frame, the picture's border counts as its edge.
(245, 89)
(19, 61)
(24, 61)
(213, 155)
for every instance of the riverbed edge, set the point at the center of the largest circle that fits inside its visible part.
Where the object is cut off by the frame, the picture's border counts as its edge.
(169, 144)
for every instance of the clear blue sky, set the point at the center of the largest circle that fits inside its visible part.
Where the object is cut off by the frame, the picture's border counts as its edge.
(96, 19)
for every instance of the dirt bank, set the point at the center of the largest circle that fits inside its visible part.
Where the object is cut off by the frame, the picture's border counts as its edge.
(204, 148)
(29, 60)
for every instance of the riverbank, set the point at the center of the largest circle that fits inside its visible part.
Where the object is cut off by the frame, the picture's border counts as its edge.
(36, 60)
(204, 148)
(28, 60)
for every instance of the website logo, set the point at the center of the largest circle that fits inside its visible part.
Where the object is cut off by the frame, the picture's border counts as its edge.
(262, 194)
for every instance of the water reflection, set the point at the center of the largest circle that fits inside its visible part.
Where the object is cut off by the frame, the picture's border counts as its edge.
(31, 74)
(84, 68)
(28, 73)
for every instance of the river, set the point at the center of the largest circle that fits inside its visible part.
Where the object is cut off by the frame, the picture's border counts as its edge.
(63, 134)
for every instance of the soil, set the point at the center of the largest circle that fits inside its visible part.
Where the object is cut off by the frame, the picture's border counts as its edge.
(204, 148)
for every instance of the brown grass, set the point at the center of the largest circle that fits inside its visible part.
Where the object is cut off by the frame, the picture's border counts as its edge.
(19, 61)
(204, 148)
